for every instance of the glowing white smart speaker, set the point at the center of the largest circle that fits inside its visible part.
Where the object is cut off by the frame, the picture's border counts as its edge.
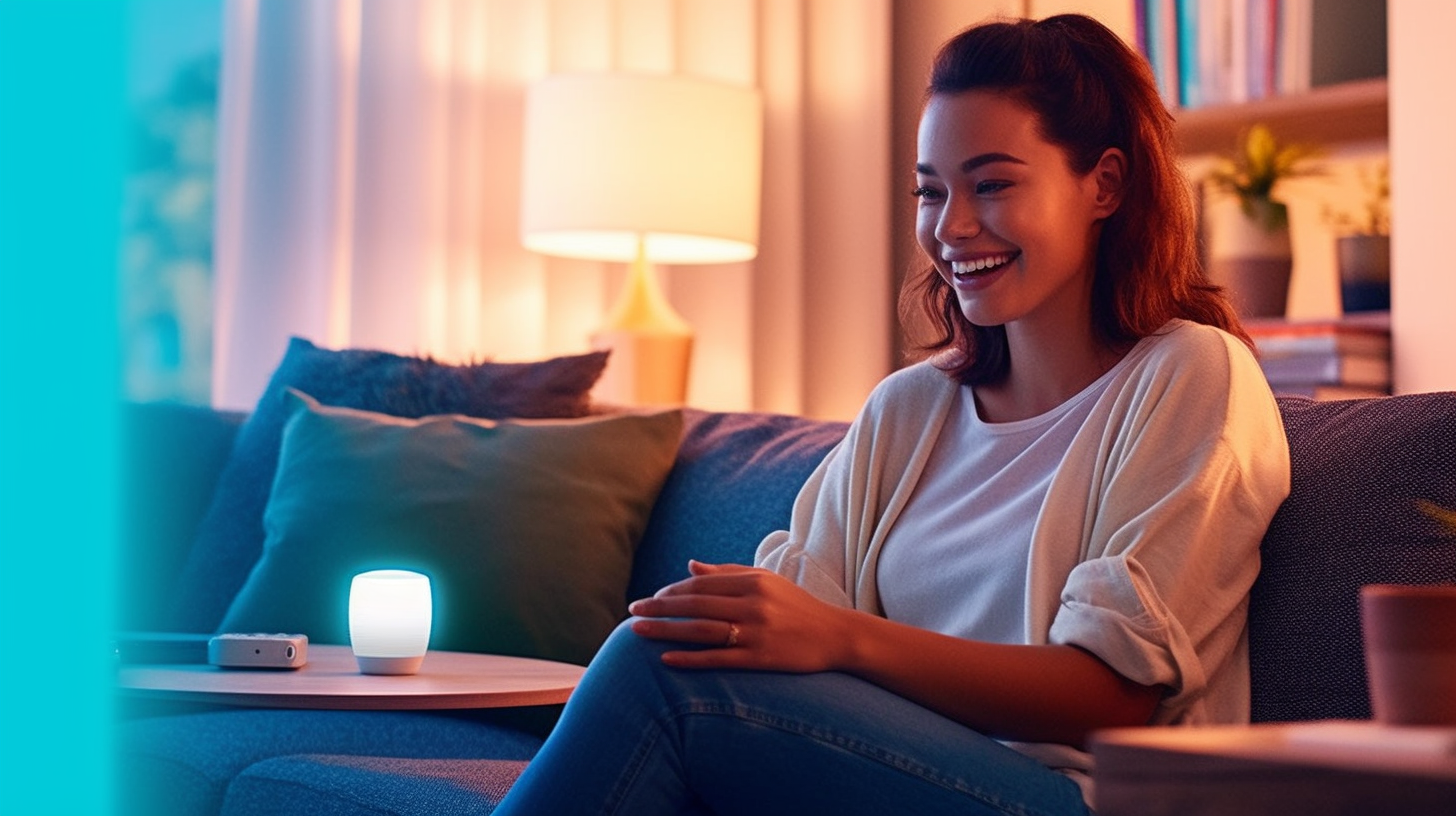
(389, 621)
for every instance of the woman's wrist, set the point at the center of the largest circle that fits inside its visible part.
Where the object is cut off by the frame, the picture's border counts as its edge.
(856, 637)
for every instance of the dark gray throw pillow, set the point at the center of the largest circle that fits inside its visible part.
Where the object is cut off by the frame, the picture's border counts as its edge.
(230, 538)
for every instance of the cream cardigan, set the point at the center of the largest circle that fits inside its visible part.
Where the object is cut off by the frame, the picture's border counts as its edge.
(1148, 540)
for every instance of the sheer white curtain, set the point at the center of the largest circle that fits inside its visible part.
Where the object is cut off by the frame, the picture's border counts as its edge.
(368, 188)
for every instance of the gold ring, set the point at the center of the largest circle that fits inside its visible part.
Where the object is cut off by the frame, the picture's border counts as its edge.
(732, 636)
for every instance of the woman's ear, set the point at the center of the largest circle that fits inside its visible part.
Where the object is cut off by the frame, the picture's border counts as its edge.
(1109, 173)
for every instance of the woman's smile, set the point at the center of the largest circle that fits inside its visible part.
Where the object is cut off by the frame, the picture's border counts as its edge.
(980, 272)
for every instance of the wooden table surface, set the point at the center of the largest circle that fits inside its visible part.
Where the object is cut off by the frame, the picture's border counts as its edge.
(331, 680)
(1275, 770)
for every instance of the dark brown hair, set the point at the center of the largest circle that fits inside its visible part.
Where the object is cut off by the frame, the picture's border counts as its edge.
(1089, 92)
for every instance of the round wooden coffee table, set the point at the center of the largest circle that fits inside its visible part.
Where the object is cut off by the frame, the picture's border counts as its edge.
(331, 679)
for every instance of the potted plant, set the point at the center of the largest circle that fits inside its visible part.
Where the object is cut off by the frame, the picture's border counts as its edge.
(1363, 243)
(1249, 251)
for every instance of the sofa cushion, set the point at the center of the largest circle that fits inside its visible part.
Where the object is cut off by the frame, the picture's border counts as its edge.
(326, 785)
(230, 537)
(1358, 471)
(526, 527)
(734, 482)
(182, 765)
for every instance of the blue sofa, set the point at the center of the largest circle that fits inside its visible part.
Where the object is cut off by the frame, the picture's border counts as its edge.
(1360, 471)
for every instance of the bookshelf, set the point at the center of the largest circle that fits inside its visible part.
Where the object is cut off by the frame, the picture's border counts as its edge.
(1346, 112)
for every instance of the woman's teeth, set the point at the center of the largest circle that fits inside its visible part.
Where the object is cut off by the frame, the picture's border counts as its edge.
(980, 264)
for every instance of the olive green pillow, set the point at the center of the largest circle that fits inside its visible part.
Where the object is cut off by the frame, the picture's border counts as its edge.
(527, 528)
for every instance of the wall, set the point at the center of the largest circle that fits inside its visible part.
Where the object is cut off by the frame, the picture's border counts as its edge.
(1423, 176)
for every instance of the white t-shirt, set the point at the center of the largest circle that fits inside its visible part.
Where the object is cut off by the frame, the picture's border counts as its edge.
(970, 519)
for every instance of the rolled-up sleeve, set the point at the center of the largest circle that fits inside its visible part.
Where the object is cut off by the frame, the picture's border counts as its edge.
(1111, 608)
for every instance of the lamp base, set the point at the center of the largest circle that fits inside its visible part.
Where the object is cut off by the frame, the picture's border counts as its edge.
(651, 344)
(390, 665)
(646, 368)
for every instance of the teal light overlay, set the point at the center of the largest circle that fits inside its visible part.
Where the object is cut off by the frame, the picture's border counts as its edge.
(62, 156)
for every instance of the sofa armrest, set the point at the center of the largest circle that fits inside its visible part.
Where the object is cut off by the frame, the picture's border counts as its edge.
(171, 456)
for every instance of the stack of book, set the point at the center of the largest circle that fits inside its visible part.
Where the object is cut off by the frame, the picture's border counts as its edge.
(1343, 358)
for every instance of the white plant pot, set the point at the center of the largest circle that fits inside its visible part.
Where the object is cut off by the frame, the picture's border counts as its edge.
(1251, 261)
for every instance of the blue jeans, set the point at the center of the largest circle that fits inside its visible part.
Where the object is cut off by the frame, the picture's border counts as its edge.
(638, 738)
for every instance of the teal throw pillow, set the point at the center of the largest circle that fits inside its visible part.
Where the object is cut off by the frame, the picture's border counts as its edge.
(527, 528)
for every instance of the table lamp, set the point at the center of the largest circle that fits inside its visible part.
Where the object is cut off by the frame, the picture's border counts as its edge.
(390, 613)
(645, 169)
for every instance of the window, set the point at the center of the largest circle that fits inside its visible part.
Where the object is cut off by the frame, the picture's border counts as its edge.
(166, 265)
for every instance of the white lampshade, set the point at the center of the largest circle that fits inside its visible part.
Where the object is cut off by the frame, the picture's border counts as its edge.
(389, 621)
(673, 160)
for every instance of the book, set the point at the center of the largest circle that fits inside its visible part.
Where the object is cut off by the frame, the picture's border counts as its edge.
(1161, 46)
(1239, 48)
(1342, 343)
(1369, 337)
(1190, 90)
(1263, 21)
(1327, 369)
(1296, 27)
(1212, 54)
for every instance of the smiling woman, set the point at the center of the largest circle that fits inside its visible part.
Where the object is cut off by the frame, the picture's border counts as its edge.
(927, 636)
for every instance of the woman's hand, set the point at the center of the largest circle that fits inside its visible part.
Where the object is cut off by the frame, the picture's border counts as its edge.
(1049, 693)
(749, 618)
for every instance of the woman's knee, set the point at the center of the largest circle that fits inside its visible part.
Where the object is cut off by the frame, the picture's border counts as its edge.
(624, 645)
(628, 660)
(625, 654)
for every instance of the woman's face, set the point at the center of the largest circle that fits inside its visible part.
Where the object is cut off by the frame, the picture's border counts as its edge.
(1001, 215)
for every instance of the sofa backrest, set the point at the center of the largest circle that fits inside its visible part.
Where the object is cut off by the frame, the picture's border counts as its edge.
(1359, 470)
(734, 482)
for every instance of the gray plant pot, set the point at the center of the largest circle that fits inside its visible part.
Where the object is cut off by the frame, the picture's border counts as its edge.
(1364, 272)
(1258, 287)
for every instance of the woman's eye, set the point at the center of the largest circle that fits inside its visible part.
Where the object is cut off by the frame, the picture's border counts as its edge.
(989, 187)
(926, 193)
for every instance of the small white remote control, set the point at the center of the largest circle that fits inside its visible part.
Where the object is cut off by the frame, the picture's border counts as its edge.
(258, 651)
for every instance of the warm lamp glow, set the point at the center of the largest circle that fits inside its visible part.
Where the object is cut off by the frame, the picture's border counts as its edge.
(611, 157)
(389, 621)
(647, 169)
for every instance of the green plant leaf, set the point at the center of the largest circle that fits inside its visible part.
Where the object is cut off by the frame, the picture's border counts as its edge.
(1444, 515)
(1258, 163)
